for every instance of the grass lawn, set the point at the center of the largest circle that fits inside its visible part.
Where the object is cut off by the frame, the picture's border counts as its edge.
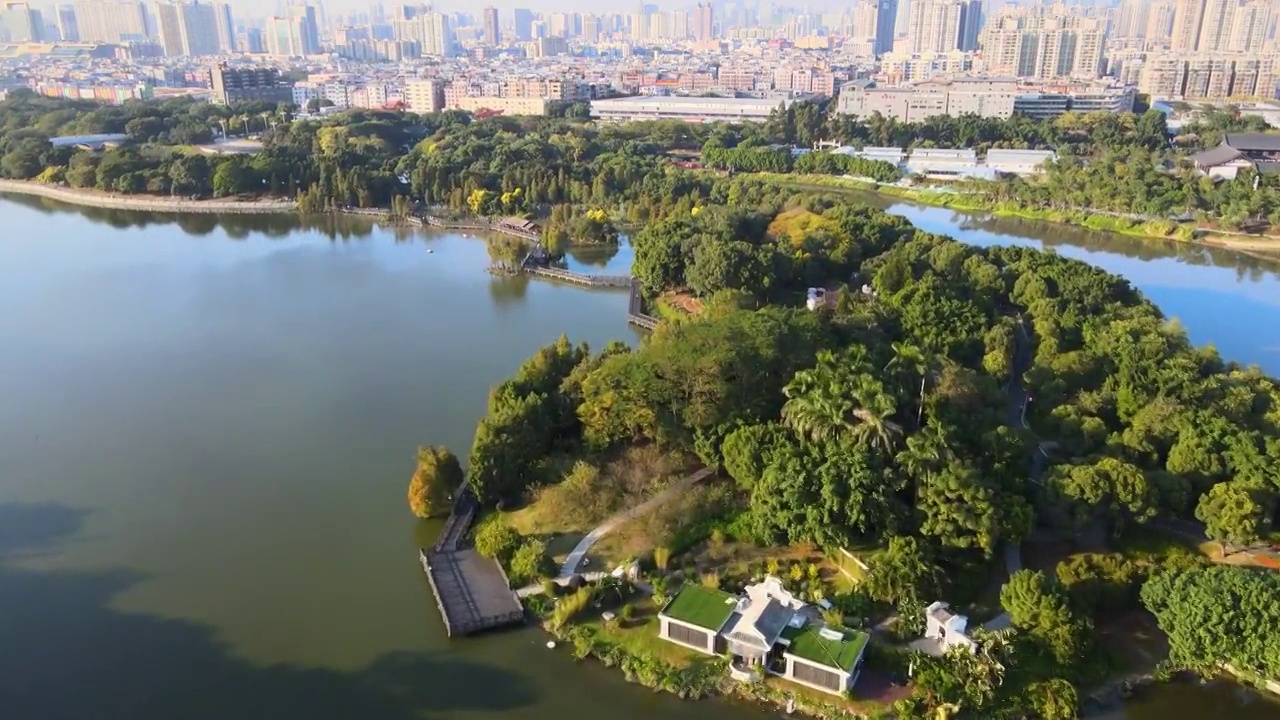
(804, 692)
(851, 573)
(1153, 543)
(532, 521)
(640, 636)
(561, 518)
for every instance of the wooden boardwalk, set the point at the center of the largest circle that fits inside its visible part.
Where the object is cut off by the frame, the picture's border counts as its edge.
(619, 281)
(635, 310)
(472, 591)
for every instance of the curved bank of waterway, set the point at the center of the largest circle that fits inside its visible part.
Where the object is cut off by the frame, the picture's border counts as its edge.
(205, 434)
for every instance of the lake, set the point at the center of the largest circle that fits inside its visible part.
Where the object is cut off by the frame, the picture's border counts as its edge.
(206, 430)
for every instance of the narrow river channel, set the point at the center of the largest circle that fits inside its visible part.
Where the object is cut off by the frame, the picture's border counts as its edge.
(206, 426)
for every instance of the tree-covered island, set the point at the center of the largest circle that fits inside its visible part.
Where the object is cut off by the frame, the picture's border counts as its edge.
(943, 407)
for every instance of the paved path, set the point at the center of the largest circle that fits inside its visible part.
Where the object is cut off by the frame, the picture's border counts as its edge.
(1016, 416)
(572, 562)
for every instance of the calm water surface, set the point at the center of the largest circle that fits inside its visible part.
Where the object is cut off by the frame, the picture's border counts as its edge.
(206, 428)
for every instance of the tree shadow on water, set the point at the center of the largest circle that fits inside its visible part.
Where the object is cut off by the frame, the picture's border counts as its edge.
(66, 653)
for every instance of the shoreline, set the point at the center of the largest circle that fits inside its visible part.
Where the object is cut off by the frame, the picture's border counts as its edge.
(1258, 247)
(146, 203)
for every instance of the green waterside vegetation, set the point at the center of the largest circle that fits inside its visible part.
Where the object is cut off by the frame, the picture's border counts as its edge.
(891, 420)
(1120, 165)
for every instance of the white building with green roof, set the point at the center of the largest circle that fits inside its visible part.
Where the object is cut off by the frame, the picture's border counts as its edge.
(766, 631)
(695, 616)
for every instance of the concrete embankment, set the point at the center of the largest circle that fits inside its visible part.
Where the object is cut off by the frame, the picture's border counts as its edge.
(147, 203)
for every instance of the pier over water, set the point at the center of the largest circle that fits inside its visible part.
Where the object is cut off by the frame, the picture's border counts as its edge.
(471, 590)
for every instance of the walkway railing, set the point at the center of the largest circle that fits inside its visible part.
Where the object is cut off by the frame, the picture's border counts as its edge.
(479, 225)
(635, 309)
(578, 278)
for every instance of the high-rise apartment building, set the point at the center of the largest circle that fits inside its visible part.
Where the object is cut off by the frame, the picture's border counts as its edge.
(523, 24)
(111, 21)
(19, 23)
(935, 26)
(639, 26)
(703, 22)
(295, 35)
(1188, 15)
(681, 27)
(591, 28)
(437, 35)
(1044, 41)
(253, 41)
(970, 25)
(200, 29)
(559, 24)
(492, 31)
(886, 24)
(1131, 19)
(1249, 30)
(226, 27)
(68, 28)
(1208, 26)
(1201, 76)
(1215, 26)
(168, 18)
(1159, 24)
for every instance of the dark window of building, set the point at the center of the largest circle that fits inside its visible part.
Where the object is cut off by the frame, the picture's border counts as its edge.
(687, 635)
(817, 676)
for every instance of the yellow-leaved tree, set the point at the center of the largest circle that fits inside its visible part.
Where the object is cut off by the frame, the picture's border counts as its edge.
(431, 488)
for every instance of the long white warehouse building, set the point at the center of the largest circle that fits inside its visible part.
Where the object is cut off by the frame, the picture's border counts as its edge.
(693, 109)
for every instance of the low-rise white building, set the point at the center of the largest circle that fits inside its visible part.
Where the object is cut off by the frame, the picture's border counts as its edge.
(767, 630)
(693, 109)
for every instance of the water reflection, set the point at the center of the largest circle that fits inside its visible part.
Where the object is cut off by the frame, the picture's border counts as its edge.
(593, 256)
(610, 259)
(236, 227)
(508, 291)
(1032, 232)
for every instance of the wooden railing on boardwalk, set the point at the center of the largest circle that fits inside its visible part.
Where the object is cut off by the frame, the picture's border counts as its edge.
(635, 309)
(479, 225)
(472, 591)
(459, 522)
(578, 278)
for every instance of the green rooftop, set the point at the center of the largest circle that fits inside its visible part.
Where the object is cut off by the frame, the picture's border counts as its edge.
(701, 606)
(807, 644)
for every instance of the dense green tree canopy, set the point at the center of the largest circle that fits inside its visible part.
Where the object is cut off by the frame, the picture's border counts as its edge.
(1219, 614)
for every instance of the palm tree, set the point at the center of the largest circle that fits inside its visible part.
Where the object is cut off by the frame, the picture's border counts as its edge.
(266, 117)
(911, 356)
(875, 408)
(926, 452)
(833, 400)
(812, 409)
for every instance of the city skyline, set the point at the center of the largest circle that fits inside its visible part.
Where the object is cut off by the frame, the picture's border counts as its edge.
(1167, 48)
(256, 8)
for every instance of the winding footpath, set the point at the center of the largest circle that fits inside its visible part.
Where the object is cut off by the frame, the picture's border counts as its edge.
(571, 563)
